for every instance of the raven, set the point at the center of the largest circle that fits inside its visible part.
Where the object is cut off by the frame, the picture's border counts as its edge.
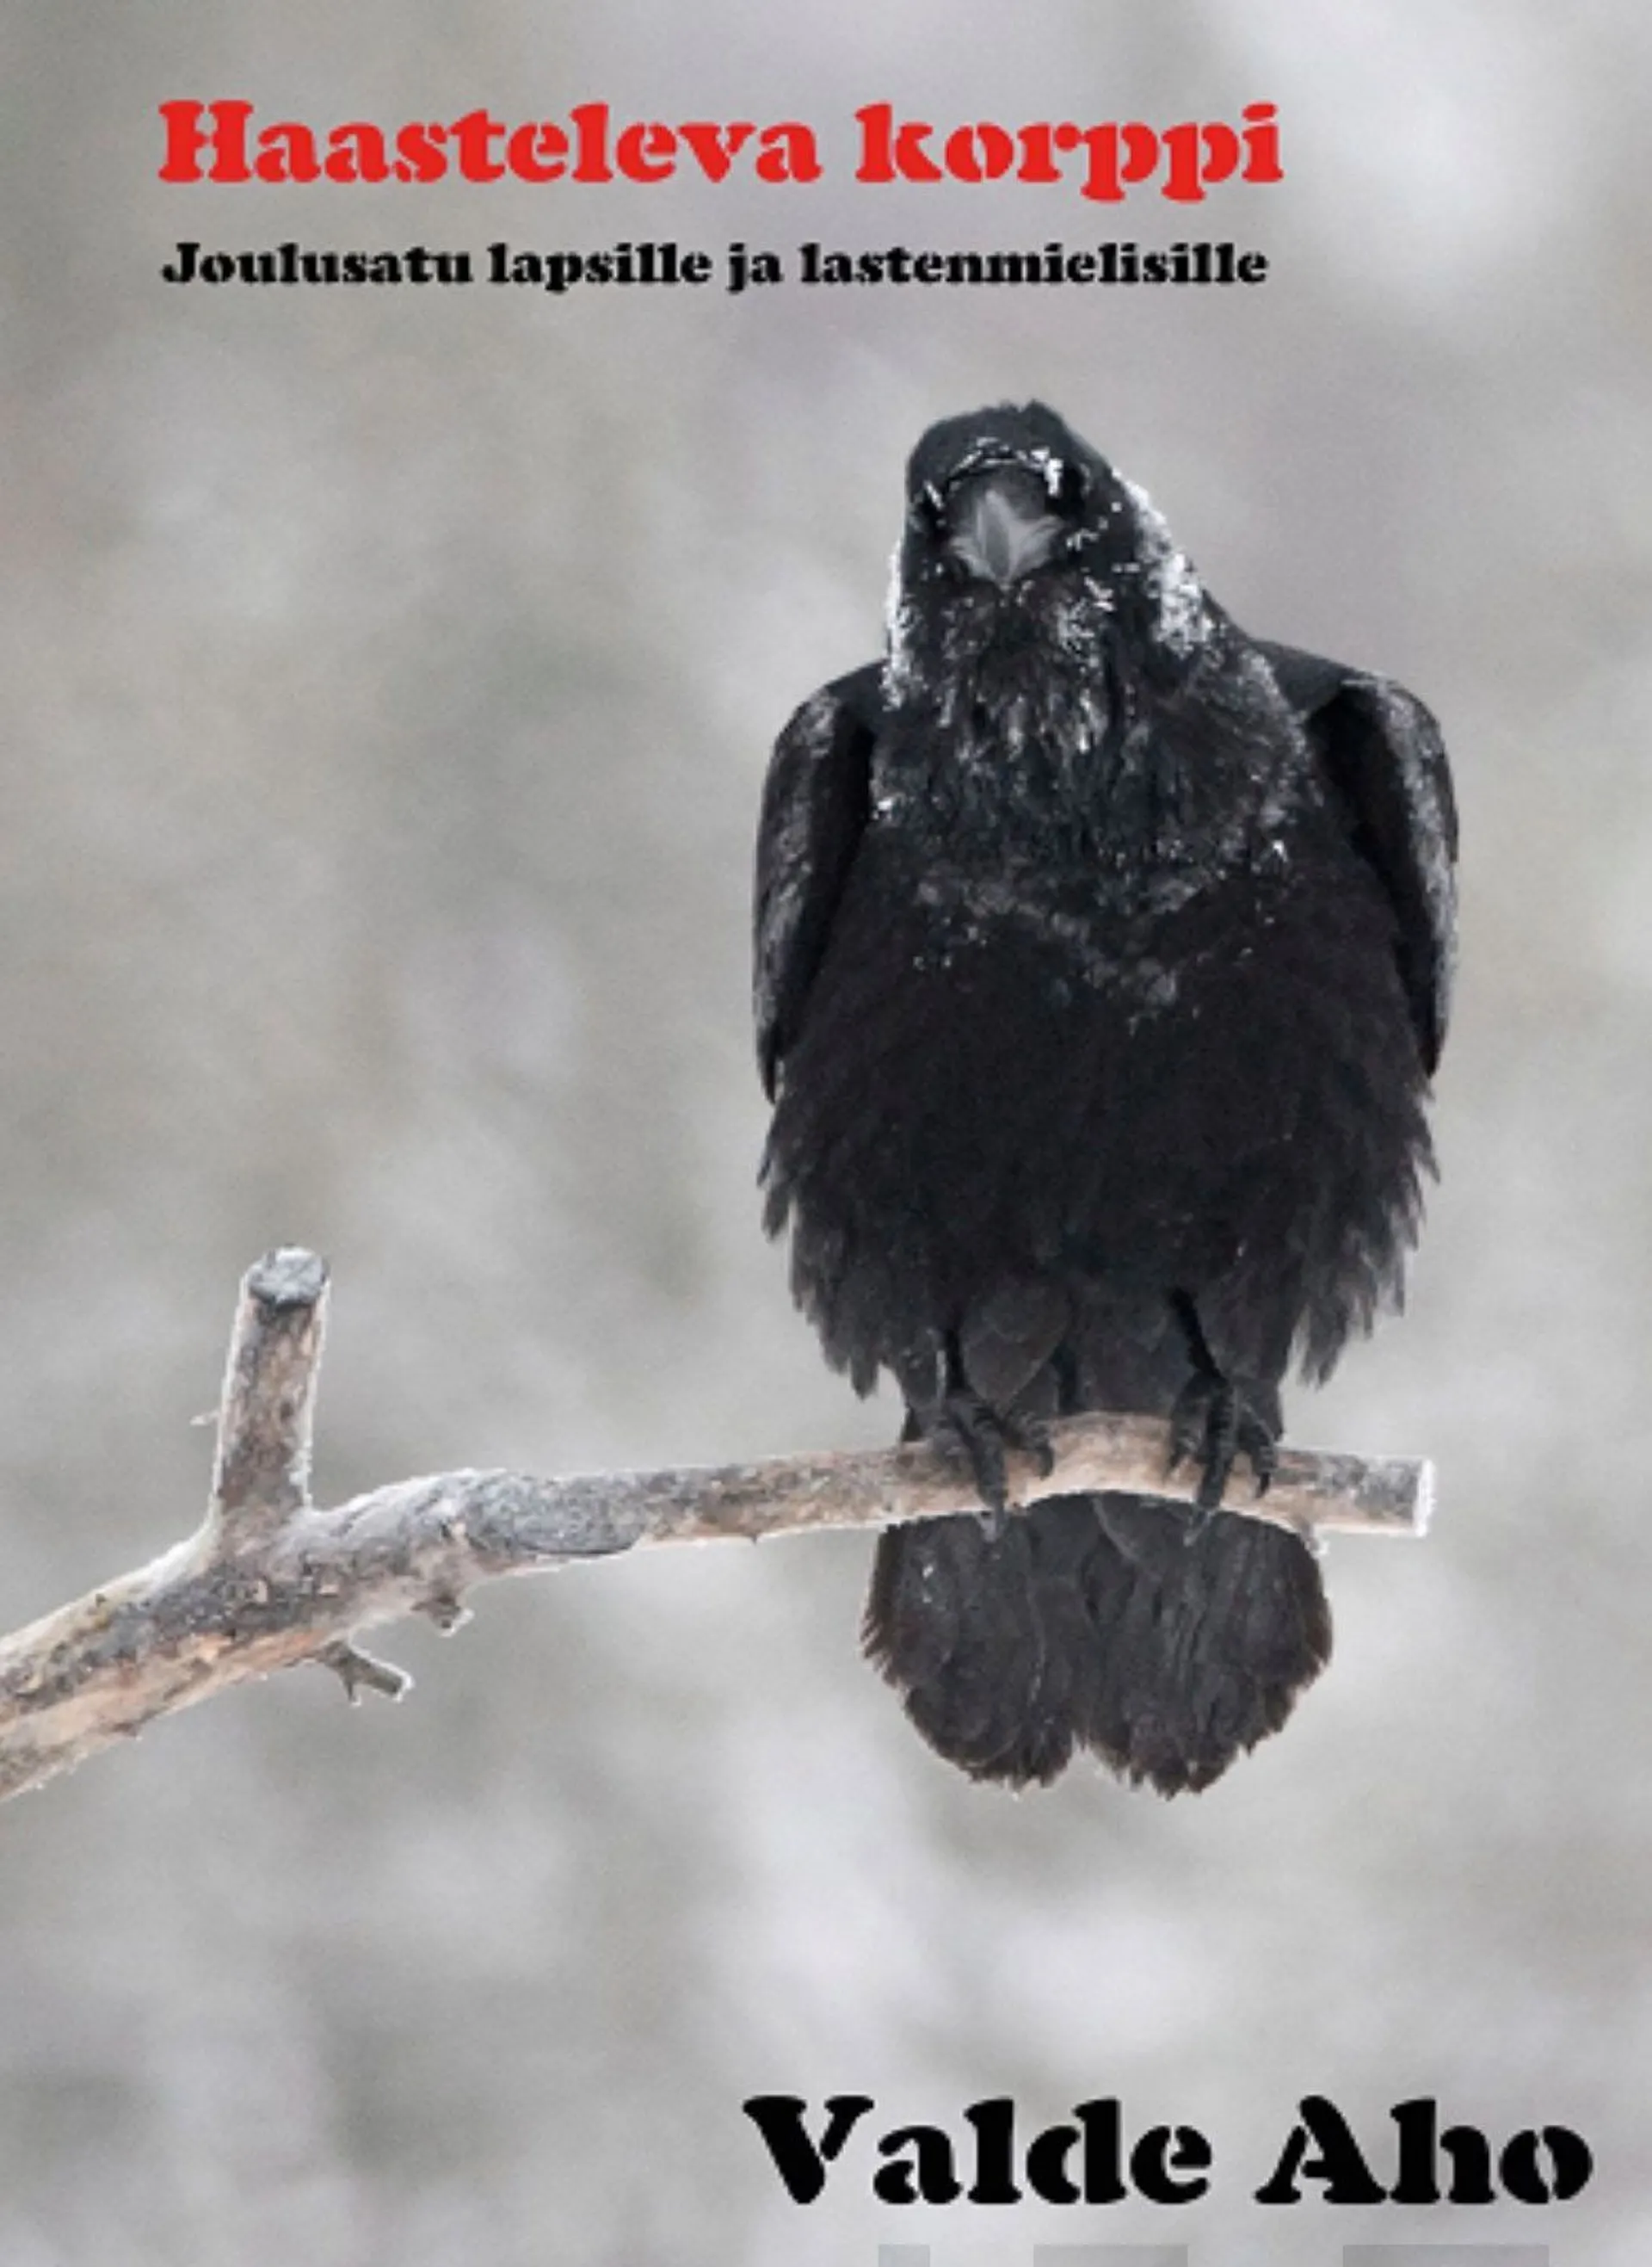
(1102, 962)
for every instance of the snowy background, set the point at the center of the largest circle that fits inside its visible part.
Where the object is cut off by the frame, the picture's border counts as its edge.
(387, 681)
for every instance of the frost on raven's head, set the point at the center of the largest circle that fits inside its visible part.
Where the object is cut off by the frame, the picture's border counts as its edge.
(1023, 551)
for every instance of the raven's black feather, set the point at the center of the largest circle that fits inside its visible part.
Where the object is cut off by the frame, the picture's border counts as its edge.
(1102, 960)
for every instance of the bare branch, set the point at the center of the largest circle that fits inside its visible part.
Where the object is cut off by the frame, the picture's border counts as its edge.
(262, 1472)
(361, 1672)
(269, 1580)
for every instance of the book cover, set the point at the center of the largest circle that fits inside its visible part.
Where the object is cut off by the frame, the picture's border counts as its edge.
(443, 447)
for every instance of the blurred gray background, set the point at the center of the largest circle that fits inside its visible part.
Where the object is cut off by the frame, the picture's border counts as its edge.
(387, 681)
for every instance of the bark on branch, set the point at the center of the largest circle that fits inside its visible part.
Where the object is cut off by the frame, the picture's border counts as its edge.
(270, 1580)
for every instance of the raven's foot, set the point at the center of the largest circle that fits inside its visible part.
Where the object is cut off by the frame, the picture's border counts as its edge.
(1214, 1423)
(963, 1424)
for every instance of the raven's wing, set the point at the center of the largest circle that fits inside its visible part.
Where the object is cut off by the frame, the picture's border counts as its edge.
(1382, 752)
(815, 801)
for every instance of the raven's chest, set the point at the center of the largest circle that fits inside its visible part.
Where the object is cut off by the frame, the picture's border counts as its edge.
(1026, 1073)
(1000, 977)
(1046, 1040)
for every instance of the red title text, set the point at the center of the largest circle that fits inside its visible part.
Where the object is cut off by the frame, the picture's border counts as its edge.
(223, 142)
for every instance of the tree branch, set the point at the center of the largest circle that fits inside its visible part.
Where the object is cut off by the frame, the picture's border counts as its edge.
(270, 1580)
(261, 1473)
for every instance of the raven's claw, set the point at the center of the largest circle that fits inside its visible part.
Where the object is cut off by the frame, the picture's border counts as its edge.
(1213, 1424)
(966, 1424)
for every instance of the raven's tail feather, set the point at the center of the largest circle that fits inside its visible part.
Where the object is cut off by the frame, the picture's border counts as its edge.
(1094, 1621)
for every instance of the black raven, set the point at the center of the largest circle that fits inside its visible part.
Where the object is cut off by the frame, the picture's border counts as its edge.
(1103, 963)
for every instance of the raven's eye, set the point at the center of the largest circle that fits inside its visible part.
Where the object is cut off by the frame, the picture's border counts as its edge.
(1072, 487)
(928, 509)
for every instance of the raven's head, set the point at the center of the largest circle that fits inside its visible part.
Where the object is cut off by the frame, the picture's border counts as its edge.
(1025, 552)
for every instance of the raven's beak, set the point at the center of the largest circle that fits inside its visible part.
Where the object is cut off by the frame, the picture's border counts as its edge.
(1000, 525)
